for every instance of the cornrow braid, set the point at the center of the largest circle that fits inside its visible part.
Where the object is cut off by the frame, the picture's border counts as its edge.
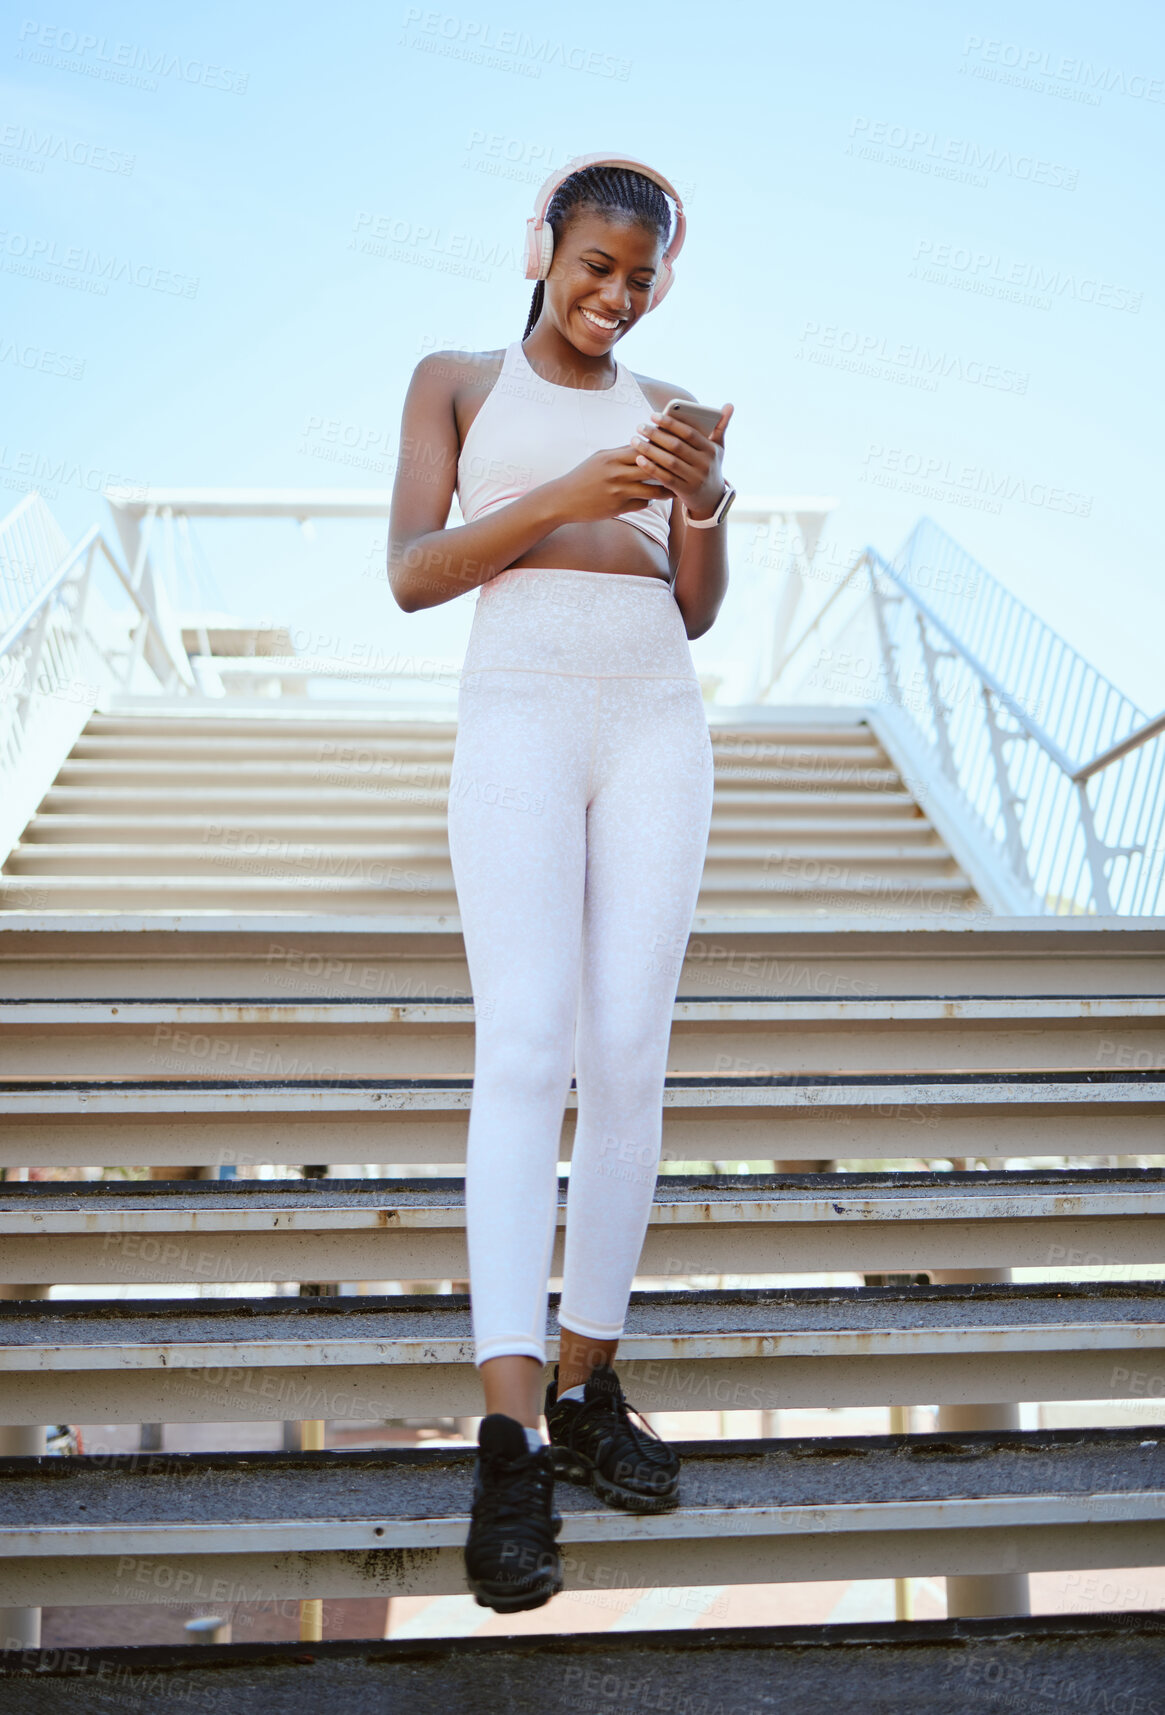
(615, 190)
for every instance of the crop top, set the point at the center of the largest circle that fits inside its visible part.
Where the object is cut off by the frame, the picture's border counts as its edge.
(529, 431)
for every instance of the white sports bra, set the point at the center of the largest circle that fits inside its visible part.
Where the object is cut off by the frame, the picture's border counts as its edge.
(529, 431)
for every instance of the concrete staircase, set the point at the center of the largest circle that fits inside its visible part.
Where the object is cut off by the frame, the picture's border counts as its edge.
(167, 811)
(195, 973)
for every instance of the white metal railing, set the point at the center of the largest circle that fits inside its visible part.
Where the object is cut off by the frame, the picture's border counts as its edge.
(32, 546)
(155, 527)
(62, 645)
(1064, 773)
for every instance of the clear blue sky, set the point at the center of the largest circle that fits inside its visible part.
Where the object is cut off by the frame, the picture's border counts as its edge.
(859, 180)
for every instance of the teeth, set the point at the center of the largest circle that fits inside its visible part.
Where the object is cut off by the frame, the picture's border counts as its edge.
(599, 322)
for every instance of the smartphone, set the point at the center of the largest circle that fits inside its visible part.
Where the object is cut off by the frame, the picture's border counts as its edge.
(702, 417)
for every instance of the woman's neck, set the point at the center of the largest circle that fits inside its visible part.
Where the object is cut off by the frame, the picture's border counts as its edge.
(556, 360)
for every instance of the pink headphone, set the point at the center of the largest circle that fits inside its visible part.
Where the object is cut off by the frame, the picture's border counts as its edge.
(540, 234)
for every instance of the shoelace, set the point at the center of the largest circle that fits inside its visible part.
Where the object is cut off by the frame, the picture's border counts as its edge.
(642, 1436)
(512, 1488)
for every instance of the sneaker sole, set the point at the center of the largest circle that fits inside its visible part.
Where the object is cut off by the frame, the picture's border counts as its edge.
(511, 1601)
(575, 1468)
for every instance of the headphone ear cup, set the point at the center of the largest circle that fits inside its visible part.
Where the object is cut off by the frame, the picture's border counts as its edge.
(546, 253)
(662, 285)
(533, 249)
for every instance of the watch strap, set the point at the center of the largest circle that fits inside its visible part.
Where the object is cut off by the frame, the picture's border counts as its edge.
(725, 501)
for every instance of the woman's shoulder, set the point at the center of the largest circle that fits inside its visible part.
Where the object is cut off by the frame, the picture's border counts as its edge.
(657, 393)
(456, 372)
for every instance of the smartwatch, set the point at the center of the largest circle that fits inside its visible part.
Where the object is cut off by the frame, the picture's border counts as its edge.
(717, 517)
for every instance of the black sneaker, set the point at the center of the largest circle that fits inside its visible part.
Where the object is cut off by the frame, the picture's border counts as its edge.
(511, 1557)
(595, 1442)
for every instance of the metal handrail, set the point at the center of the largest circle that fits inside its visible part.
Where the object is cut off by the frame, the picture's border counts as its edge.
(1056, 840)
(65, 648)
(1075, 772)
(1124, 747)
(981, 671)
(91, 540)
(1018, 680)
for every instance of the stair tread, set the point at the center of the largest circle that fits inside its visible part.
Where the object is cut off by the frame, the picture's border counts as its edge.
(935, 1667)
(61, 822)
(774, 1089)
(243, 884)
(1016, 1194)
(1046, 938)
(719, 851)
(252, 797)
(421, 1496)
(458, 1010)
(432, 1328)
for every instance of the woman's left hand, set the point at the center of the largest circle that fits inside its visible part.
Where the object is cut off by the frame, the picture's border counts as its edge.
(684, 460)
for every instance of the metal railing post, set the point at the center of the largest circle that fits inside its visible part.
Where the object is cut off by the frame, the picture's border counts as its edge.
(938, 708)
(1008, 800)
(1097, 853)
(33, 649)
(889, 650)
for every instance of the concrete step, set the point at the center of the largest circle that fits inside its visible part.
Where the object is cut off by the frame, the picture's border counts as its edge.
(220, 1360)
(729, 862)
(303, 722)
(750, 1037)
(382, 1229)
(207, 775)
(78, 1529)
(405, 823)
(202, 764)
(353, 723)
(760, 851)
(218, 801)
(804, 770)
(397, 888)
(255, 750)
(933, 1667)
(248, 1120)
(146, 738)
(282, 744)
(822, 774)
(272, 955)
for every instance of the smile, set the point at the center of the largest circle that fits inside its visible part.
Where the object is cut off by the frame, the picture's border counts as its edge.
(599, 321)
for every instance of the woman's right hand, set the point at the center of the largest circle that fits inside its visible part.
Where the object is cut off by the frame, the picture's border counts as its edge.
(603, 486)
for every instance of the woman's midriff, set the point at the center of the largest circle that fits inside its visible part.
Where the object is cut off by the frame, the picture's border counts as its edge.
(606, 545)
(533, 621)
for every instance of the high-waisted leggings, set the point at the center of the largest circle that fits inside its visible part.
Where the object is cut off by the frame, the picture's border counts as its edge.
(579, 807)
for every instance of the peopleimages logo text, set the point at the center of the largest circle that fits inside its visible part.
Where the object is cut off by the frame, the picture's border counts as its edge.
(76, 259)
(476, 37)
(1086, 75)
(128, 56)
(933, 257)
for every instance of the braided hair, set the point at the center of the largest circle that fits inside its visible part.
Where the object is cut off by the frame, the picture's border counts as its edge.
(615, 190)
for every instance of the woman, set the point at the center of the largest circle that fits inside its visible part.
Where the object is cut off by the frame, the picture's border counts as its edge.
(579, 806)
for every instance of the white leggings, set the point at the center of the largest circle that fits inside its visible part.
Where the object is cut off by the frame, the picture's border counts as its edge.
(579, 806)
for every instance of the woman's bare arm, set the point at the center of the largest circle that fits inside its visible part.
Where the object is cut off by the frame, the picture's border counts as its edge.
(427, 563)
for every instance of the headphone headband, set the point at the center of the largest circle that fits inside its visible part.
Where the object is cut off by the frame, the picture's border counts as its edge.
(540, 234)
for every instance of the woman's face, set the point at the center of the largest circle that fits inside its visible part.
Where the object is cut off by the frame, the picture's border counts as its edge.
(601, 279)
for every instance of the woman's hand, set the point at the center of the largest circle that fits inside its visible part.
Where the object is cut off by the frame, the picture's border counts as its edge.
(688, 463)
(607, 483)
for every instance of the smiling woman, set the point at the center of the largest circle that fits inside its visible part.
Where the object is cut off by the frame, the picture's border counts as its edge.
(570, 447)
(579, 697)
